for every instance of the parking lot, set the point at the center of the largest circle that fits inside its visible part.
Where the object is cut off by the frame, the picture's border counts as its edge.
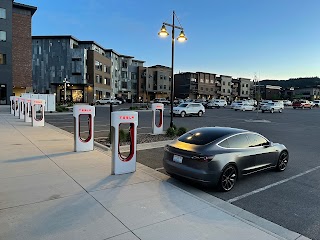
(290, 199)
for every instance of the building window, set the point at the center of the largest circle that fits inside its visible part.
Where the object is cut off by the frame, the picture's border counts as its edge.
(161, 77)
(105, 68)
(133, 76)
(3, 59)
(164, 86)
(242, 85)
(98, 65)
(160, 86)
(201, 80)
(201, 88)
(124, 85)
(228, 90)
(229, 83)
(124, 74)
(212, 81)
(247, 85)
(207, 80)
(223, 83)
(98, 79)
(124, 64)
(108, 82)
(246, 92)
(211, 89)
(3, 36)
(3, 14)
(242, 92)
(223, 90)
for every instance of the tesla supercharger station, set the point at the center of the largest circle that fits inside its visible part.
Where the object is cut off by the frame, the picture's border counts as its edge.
(157, 128)
(16, 107)
(123, 164)
(12, 104)
(37, 105)
(28, 111)
(80, 144)
(21, 108)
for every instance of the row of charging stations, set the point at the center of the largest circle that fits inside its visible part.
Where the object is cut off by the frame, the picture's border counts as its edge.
(29, 110)
(121, 164)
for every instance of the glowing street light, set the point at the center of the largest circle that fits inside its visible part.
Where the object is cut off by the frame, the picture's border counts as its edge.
(164, 33)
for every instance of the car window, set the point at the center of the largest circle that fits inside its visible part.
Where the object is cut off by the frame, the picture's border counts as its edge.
(201, 136)
(194, 105)
(183, 105)
(238, 141)
(256, 140)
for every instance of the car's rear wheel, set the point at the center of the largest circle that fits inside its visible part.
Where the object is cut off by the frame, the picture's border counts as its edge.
(272, 110)
(302, 107)
(280, 110)
(183, 114)
(282, 161)
(294, 107)
(200, 113)
(228, 178)
(98, 103)
(262, 111)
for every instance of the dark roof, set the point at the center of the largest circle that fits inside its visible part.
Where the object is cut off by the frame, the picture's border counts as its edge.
(32, 9)
(55, 37)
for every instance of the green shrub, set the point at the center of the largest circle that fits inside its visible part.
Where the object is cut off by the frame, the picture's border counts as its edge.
(181, 131)
(60, 108)
(133, 108)
(171, 132)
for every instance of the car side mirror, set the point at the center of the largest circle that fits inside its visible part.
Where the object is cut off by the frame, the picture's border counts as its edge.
(267, 144)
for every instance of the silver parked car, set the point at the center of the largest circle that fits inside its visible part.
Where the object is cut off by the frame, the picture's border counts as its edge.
(221, 155)
(272, 107)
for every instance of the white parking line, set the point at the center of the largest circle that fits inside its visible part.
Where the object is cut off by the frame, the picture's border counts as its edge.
(157, 169)
(271, 185)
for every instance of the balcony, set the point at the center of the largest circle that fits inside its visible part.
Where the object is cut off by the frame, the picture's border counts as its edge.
(235, 85)
(218, 84)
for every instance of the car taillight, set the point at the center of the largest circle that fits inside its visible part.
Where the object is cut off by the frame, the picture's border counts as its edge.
(202, 158)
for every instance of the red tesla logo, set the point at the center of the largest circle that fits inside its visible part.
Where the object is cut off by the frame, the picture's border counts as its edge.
(85, 110)
(126, 117)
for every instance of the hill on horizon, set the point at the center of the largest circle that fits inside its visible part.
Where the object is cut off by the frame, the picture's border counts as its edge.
(294, 82)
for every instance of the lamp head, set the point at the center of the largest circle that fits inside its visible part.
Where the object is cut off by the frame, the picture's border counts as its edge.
(163, 32)
(182, 37)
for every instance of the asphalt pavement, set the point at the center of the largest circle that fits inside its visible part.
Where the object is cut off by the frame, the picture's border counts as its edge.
(51, 192)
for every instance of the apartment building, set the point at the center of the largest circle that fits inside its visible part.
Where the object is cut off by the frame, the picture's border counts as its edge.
(245, 86)
(15, 49)
(154, 82)
(196, 85)
(124, 74)
(310, 93)
(226, 87)
(91, 71)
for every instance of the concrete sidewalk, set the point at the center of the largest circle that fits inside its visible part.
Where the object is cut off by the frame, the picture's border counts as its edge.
(47, 191)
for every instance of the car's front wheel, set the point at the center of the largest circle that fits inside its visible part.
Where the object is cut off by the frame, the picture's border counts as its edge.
(200, 113)
(272, 110)
(183, 114)
(282, 161)
(280, 110)
(228, 178)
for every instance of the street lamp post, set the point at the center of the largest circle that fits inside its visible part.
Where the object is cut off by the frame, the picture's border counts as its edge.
(65, 82)
(163, 33)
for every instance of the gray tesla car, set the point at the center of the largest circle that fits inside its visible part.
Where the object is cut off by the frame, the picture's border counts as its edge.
(219, 155)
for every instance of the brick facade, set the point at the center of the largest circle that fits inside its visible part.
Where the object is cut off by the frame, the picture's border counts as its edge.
(21, 50)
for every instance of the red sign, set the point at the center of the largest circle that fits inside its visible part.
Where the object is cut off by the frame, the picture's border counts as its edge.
(126, 117)
(159, 107)
(37, 102)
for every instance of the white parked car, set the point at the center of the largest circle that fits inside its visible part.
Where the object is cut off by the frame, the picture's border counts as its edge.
(108, 101)
(189, 109)
(287, 103)
(161, 100)
(235, 103)
(316, 103)
(244, 107)
(264, 102)
(272, 107)
(217, 103)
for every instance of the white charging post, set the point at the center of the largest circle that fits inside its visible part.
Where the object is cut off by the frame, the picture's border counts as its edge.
(28, 111)
(16, 107)
(37, 105)
(123, 164)
(21, 108)
(157, 128)
(81, 144)
(12, 104)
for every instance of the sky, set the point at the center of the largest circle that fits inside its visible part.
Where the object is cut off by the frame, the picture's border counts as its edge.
(272, 39)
